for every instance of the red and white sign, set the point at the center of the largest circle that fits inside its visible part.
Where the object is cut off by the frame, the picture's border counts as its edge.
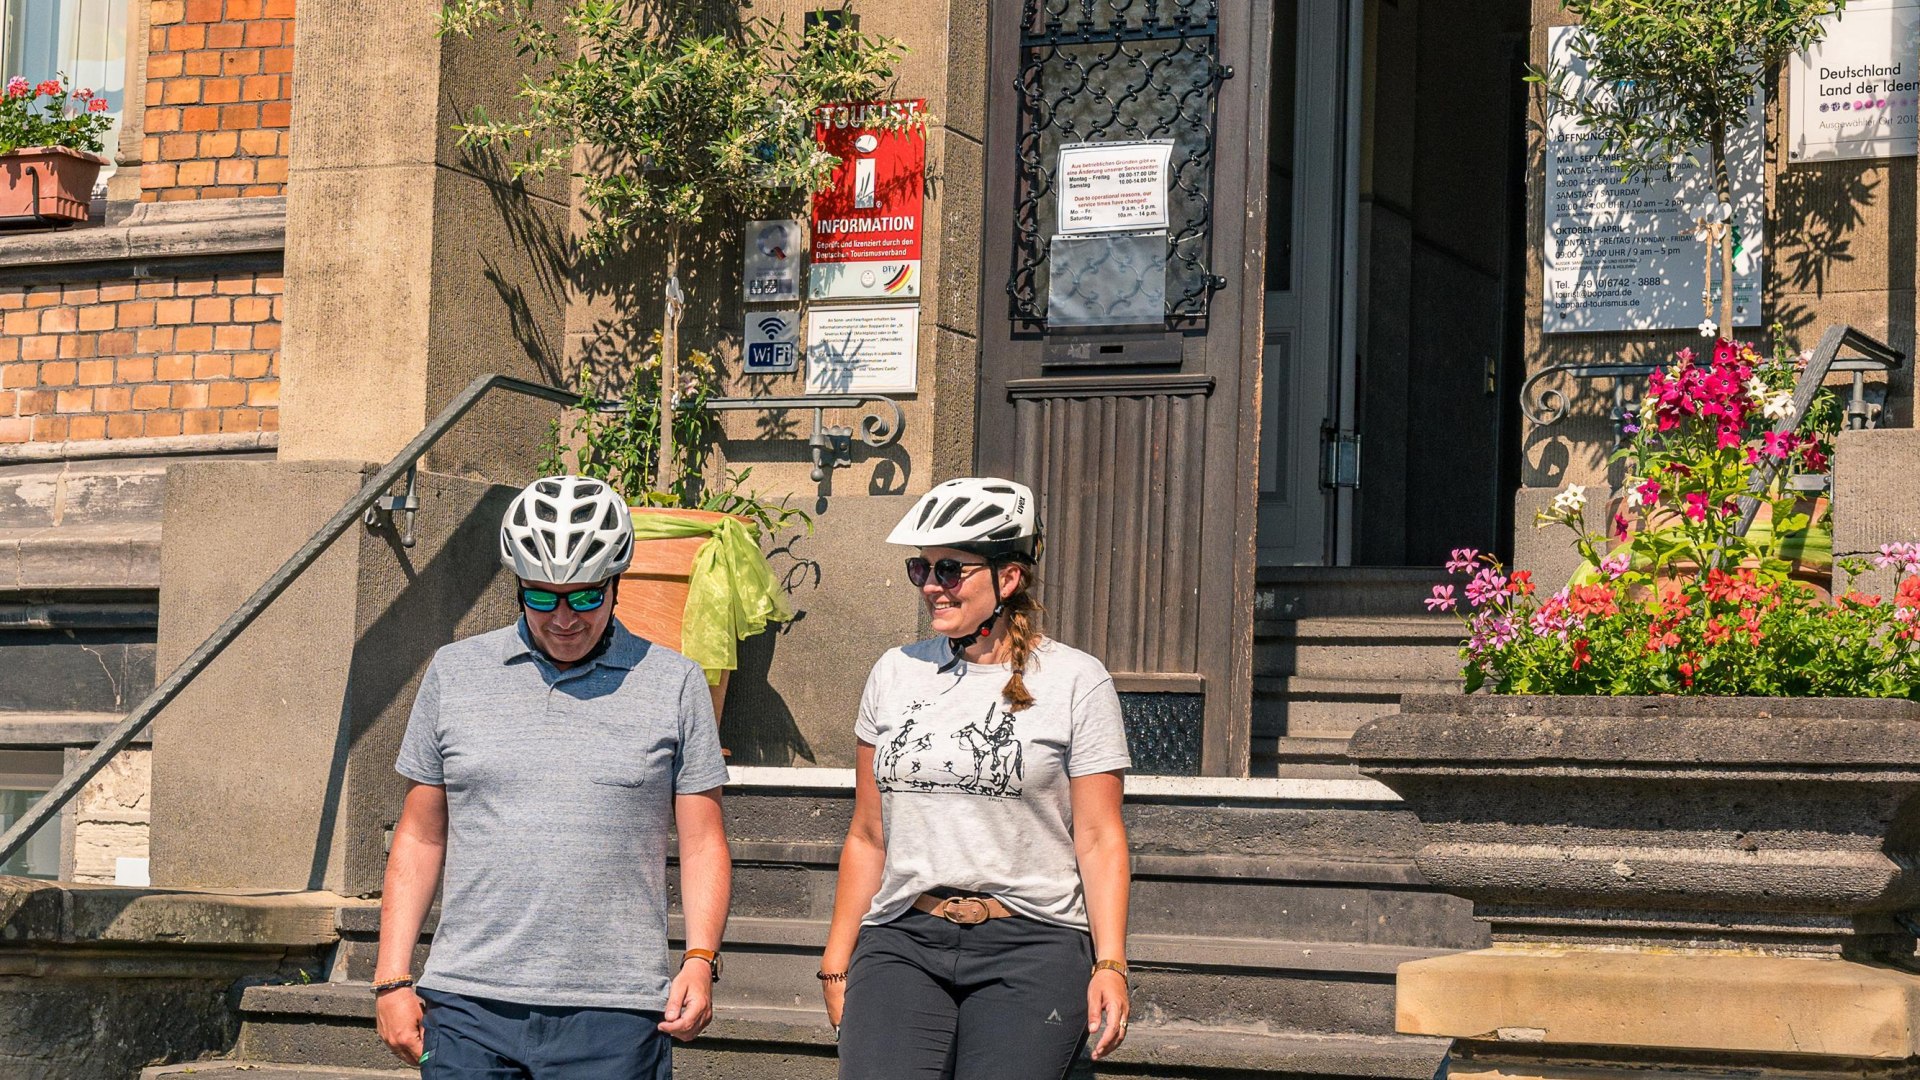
(866, 225)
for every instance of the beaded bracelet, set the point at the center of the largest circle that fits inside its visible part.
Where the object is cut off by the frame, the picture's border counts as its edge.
(831, 976)
(392, 984)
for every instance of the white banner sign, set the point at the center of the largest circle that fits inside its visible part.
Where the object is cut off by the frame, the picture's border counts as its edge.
(1622, 255)
(773, 261)
(1113, 186)
(1857, 93)
(869, 349)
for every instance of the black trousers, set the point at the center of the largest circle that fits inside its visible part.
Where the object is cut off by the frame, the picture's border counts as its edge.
(1005, 999)
(469, 1038)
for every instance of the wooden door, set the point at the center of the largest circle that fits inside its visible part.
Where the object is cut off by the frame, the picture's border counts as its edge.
(1139, 439)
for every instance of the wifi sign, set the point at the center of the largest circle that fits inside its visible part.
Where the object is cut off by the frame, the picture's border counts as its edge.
(772, 342)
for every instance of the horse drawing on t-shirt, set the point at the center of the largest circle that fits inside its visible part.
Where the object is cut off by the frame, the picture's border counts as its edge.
(987, 760)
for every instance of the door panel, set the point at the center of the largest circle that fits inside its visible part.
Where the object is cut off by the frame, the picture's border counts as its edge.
(1137, 440)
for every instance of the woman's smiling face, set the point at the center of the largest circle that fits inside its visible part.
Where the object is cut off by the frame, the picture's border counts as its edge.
(958, 610)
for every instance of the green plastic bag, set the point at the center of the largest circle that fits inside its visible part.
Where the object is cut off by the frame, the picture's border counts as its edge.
(731, 594)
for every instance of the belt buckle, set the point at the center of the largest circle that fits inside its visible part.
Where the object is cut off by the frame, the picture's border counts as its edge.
(964, 910)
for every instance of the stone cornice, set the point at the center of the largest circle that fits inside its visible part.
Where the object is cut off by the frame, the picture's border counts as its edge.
(171, 230)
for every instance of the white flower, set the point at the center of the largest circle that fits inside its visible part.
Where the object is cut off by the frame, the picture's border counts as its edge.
(1709, 328)
(1757, 388)
(1571, 501)
(1649, 408)
(1779, 406)
(1634, 499)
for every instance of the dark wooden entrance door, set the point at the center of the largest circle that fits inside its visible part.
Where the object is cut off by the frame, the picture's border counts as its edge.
(1139, 437)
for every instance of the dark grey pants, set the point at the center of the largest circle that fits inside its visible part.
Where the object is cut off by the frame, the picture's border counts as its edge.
(928, 1000)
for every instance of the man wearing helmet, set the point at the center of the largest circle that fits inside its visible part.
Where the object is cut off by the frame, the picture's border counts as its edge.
(548, 761)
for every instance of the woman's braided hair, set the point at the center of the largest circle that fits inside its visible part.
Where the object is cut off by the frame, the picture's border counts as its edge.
(1022, 614)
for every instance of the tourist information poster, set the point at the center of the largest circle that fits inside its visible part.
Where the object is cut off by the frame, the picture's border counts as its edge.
(1622, 255)
(866, 224)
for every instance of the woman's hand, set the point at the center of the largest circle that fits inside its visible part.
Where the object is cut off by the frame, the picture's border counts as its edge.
(398, 1014)
(835, 993)
(1107, 1000)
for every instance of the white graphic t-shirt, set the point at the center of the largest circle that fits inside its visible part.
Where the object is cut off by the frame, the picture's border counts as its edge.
(975, 796)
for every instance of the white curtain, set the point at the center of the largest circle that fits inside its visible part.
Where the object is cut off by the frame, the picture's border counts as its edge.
(85, 40)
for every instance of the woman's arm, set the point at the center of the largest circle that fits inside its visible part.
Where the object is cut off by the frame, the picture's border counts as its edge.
(1106, 870)
(863, 859)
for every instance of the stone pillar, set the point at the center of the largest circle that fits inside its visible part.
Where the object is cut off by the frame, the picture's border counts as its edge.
(411, 267)
(1708, 887)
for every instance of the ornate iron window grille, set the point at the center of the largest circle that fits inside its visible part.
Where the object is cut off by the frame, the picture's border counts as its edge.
(1098, 70)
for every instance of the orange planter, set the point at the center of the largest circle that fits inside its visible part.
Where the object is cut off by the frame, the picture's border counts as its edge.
(653, 591)
(48, 181)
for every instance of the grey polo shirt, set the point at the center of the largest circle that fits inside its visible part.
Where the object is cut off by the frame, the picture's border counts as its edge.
(560, 788)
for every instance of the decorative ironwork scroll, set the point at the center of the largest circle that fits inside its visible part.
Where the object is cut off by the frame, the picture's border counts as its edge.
(1111, 70)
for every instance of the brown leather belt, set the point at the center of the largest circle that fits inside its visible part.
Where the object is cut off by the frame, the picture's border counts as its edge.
(962, 910)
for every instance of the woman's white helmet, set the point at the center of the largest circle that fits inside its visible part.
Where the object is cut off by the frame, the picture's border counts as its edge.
(982, 514)
(566, 530)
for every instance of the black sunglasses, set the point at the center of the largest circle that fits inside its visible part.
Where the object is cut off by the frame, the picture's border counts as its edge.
(544, 600)
(949, 573)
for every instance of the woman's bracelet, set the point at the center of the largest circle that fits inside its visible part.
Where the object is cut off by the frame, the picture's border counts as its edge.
(1113, 965)
(831, 976)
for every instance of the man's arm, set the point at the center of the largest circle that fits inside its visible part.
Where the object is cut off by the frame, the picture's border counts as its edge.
(413, 873)
(706, 890)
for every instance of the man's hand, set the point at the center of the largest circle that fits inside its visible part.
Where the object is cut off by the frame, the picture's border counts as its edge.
(689, 1001)
(400, 1026)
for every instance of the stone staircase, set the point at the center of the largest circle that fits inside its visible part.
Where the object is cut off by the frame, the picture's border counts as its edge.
(1269, 917)
(1335, 647)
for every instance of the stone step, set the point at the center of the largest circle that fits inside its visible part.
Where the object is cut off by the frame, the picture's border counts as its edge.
(331, 1026)
(1334, 707)
(1343, 591)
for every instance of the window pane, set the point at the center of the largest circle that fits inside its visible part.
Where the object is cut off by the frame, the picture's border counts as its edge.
(25, 775)
(1280, 132)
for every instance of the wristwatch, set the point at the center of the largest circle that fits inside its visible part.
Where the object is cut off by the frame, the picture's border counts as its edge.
(711, 957)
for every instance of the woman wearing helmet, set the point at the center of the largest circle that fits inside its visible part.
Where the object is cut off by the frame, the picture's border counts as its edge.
(980, 919)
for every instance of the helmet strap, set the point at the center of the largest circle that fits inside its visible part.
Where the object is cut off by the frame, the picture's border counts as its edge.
(981, 632)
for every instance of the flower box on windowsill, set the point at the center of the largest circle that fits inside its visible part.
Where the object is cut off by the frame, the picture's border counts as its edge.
(51, 184)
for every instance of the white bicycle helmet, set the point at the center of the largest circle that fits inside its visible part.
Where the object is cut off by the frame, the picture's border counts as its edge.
(566, 530)
(982, 514)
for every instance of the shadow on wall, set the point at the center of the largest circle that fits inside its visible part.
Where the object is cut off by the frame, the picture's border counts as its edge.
(428, 606)
(759, 726)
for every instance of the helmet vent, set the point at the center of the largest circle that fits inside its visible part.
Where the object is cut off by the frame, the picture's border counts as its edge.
(612, 518)
(520, 514)
(595, 548)
(952, 511)
(526, 544)
(548, 488)
(545, 512)
(553, 540)
(581, 513)
(986, 514)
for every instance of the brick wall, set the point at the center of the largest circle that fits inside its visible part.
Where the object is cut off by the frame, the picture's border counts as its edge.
(219, 91)
(127, 360)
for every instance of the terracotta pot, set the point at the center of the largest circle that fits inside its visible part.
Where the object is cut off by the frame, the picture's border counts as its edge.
(653, 591)
(48, 181)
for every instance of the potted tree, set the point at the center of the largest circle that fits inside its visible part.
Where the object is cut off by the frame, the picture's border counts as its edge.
(694, 119)
(50, 143)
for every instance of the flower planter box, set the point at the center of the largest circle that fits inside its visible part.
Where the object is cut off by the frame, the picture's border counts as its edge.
(1787, 825)
(50, 182)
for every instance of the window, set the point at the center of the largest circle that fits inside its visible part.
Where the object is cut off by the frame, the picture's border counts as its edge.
(25, 775)
(85, 40)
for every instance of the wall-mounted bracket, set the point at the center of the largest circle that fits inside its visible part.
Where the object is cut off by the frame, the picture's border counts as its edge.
(830, 445)
(408, 503)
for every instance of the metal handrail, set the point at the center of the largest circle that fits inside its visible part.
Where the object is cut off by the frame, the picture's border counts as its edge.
(124, 732)
(875, 431)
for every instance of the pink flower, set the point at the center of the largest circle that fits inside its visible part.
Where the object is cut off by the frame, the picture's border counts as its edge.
(1617, 563)
(1778, 446)
(1697, 506)
(1442, 599)
(1485, 587)
(1463, 561)
(50, 88)
(19, 87)
(83, 93)
(1730, 437)
(98, 104)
